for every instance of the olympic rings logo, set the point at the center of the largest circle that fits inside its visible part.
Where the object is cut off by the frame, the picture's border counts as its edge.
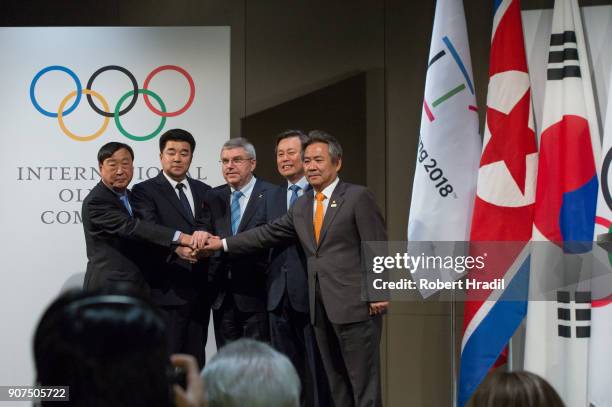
(117, 112)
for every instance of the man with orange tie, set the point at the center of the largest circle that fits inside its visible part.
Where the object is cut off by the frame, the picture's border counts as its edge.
(331, 223)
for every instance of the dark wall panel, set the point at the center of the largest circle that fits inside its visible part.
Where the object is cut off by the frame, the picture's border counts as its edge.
(338, 109)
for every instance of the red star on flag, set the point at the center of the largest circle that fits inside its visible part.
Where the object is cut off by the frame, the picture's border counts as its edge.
(511, 139)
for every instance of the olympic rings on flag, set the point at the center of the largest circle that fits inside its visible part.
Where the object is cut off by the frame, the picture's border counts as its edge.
(116, 112)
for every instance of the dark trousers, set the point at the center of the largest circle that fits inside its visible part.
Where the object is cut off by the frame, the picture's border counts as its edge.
(232, 324)
(187, 329)
(292, 335)
(351, 357)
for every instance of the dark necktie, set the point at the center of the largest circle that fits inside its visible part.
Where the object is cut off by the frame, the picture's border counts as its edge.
(183, 199)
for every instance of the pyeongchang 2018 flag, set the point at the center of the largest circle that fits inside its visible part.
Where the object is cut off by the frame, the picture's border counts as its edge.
(447, 157)
(558, 329)
(503, 210)
(600, 351)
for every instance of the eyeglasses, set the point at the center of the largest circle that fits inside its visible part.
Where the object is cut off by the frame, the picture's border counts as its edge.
(235, 161)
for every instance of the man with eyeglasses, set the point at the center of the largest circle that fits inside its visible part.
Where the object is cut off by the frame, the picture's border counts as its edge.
(332, 223)
(178, 280)
(239, 309)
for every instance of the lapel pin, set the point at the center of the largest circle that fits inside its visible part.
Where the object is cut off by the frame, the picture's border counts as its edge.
(333, 204)
(260, 195)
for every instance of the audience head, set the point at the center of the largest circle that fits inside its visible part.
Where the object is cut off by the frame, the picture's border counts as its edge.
(247, 373)
(110, 349)
(515, 389)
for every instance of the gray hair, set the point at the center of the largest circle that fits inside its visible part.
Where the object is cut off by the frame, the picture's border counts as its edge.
(248, 373)
(238, 142)
(333, 145)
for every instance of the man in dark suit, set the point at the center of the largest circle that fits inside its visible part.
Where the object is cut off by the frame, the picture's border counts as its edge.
(178, 286)
(290, 329)
(239, 309)
(112, 233)
(331, 224)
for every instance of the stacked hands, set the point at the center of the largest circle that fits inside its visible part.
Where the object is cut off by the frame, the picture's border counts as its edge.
(198, 245)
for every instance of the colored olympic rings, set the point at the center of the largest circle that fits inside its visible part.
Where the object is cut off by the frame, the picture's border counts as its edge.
(116, 112)
(191, 90)
(113, 68)
(60, 116)
(55, 68)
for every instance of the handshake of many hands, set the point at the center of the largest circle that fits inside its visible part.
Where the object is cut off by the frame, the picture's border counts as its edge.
(198, 245)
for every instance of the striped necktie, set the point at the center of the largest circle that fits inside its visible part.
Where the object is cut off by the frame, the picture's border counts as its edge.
(235, 210)
(294, 194)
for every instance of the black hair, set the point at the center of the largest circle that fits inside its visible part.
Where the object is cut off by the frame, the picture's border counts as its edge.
(515, 389)
(108, 347)
(292, 133)
(333, 145)
(176, 135)
(108, 149)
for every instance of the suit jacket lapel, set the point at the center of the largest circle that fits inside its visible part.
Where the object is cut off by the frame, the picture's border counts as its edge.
(169, 193)
(280, 200)
(226, 219)
(197, 198)
(254, 200)
(333, 206)
(310, 219)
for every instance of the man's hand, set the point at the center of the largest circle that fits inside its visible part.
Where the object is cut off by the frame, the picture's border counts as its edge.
(185, 240)
(187, 253)
(199, 238)
(193, 395)
(213, 244)
(378, 307)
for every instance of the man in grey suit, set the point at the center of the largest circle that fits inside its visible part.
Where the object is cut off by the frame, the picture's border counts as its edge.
(331, 225)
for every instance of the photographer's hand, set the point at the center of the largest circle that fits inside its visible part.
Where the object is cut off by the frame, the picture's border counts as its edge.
(193, 395)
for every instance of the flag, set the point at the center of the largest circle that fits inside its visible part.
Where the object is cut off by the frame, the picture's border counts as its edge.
(445, 181)
(558, 329)
(504, 205)
(600, 352)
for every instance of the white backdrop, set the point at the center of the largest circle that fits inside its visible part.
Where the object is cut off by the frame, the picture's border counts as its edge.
(46, 174)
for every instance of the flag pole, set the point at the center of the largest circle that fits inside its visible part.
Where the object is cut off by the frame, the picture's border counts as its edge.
(510, 354)
(453, 351)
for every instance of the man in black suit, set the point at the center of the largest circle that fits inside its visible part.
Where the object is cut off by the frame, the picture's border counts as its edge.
(112, 233)
(331, 223)
(290, 329)
(178, 286)
(239, 309)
